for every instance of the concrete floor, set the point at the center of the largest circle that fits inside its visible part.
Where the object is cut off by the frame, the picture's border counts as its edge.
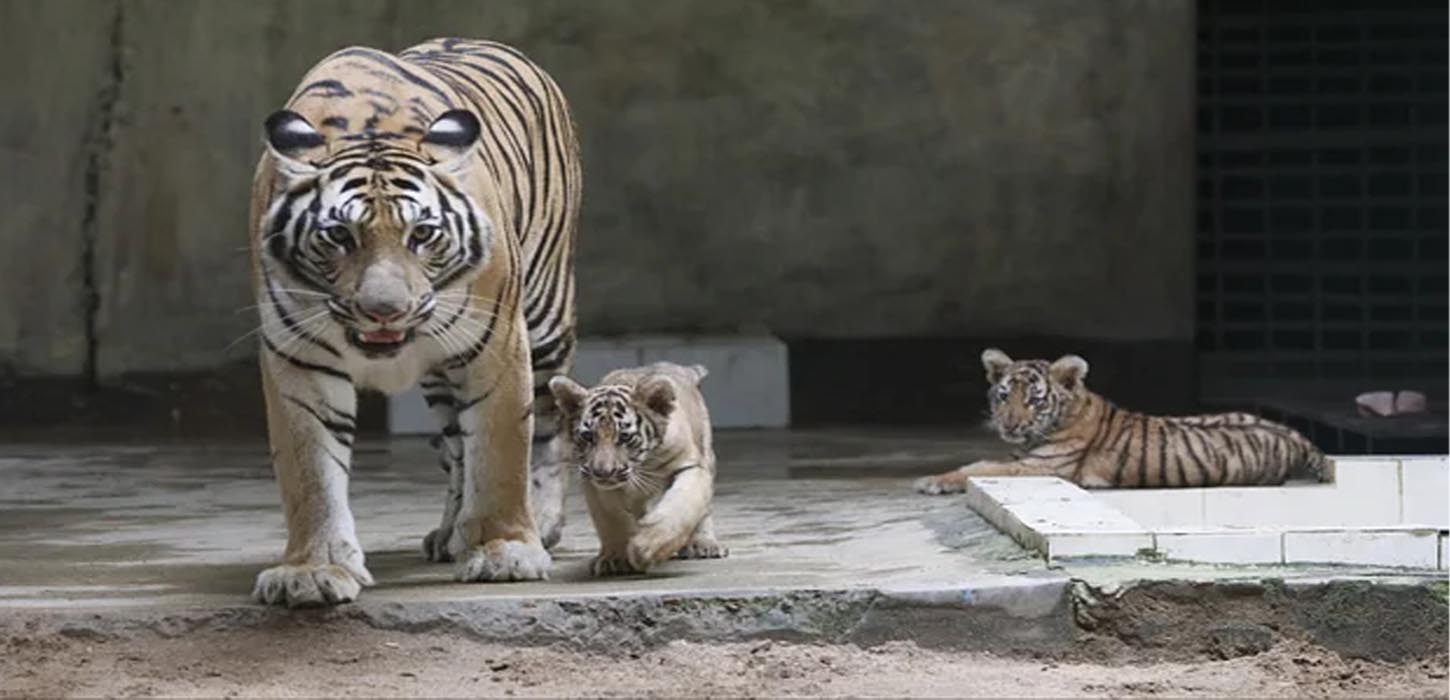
(191, 525)
(828, 544)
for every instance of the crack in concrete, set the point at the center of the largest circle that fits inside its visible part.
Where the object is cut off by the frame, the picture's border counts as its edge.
(98, 147)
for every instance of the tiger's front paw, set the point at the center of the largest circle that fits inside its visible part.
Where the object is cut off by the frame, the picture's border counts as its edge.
(309, 585)
(950, 482)
(504, 560)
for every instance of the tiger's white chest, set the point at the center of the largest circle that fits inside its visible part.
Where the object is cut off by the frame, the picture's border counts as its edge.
(392, 375)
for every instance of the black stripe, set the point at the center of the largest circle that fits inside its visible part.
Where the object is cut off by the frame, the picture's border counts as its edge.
(462, 359)
(292, 325)
(383, 59)
(1143, 454)
(466, 404)
(342, 432)
(434, 400)
(326, 88)
(1200, 467)
(284, 209)
(346, 468)
(1239, 455)
(303, 364)
(1177, 453)
(1125, 435)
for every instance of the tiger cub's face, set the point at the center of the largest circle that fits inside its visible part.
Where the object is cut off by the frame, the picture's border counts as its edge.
(1028, 398)
(374, 235)
(614, 428)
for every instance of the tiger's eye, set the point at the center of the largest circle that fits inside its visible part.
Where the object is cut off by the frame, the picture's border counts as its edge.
(424, 234)
(338, 235)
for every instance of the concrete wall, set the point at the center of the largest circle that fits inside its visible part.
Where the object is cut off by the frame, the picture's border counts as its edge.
(829, 169)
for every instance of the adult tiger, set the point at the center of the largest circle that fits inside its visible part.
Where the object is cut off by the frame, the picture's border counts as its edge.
(413, 218)
(1068, 431)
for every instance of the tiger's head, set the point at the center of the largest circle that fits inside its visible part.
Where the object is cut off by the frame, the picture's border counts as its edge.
(1030, 398)
(373, 231)
(614, 428)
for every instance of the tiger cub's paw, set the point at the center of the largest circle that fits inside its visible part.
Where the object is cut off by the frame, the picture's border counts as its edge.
(611, 565)
(654, 543)
(703, 548)
(950, 482)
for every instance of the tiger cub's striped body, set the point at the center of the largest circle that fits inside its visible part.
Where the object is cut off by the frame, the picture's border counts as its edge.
(1066, 430)
(642, 442)
(413, 222)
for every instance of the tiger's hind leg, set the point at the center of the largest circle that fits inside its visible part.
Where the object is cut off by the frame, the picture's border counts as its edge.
(441, 395)
(955, 481)
(548, 486)
(548, 475)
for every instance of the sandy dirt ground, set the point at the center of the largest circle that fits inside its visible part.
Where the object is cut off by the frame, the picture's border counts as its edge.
(355, 660)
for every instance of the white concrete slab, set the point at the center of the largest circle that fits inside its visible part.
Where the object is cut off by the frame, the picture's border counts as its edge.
(1158, 508)
(1220, 547)
(1425, 491)
(1077, 545)
(1397, 547)
(1365, 493)
(749, 382)
(1380, 511)
(1056, 518)
(748, 386)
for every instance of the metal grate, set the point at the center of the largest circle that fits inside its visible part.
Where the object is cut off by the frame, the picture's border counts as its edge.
(1322, 189)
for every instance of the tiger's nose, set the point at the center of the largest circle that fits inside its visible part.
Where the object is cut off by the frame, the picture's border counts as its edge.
(606, 476)
(381, 310)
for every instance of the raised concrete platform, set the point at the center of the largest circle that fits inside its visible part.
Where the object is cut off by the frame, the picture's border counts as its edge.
(828, 543)
(748, 386)
(1375, 511)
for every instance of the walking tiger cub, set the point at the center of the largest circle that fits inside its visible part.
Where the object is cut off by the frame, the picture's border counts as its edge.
(641, 440)
(1066, 430)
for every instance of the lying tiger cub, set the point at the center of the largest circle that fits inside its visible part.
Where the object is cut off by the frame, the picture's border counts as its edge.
(1066, 430)
(641, 439)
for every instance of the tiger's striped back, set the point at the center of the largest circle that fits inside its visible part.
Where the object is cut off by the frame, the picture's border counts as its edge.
(535, 149)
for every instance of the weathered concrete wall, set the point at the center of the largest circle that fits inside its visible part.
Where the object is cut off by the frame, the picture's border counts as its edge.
(839, 168)
(55, 65)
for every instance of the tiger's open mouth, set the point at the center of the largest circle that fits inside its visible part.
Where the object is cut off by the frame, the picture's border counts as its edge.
(379, 343)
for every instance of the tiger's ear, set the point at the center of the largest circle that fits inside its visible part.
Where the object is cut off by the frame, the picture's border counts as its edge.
(293, 143)
(996, 363)
(657, 394)
(1069, 371)
(568, 394)
(450, 139)
(701, 371)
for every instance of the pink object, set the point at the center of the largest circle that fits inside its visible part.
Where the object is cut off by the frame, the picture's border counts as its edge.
(1409, 402)
(1376, 403)
(1388, 403)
